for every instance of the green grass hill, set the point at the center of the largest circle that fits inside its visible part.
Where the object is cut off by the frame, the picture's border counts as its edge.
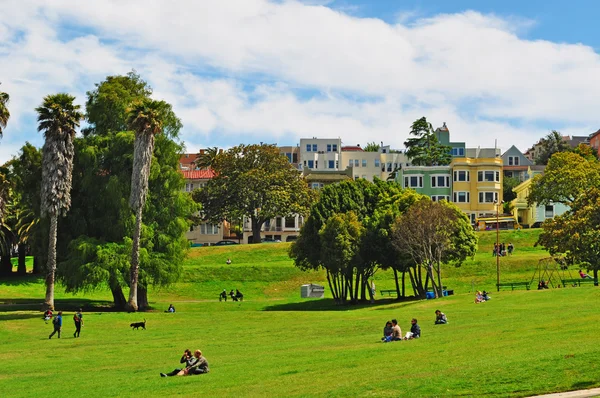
(274, 343)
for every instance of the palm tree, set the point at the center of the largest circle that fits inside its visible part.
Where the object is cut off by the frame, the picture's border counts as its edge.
(206, 158)
(145, 119)
(4, 114)
(58, 117)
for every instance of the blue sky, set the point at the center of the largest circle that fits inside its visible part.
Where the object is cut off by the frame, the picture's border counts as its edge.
(275, 71)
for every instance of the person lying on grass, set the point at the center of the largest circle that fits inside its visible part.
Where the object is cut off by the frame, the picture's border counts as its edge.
(415, 330)
(195, 365)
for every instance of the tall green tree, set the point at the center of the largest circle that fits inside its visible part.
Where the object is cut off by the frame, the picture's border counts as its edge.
(145, 119)
(435, 233)
(551, 144)
(253, 181)
(566, 177)
(4, 113)
(58, 117)
(423, 148)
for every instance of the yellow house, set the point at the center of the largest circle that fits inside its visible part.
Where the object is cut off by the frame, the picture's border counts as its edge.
(477, 183)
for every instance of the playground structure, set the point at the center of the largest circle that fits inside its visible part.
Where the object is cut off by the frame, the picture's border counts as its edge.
(552, 270)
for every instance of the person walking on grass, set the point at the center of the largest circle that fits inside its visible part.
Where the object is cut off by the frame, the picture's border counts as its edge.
(78, 319)
(57, 323)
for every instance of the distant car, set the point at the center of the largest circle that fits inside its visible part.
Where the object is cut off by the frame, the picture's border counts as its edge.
(225, 243)
(270, 240)
(291, 238)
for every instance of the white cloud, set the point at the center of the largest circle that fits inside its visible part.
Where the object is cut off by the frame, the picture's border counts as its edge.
(234, 69)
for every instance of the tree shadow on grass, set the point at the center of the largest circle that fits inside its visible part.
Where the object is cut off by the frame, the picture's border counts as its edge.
(582, 385)
(330, 305)
(66, 304)
(21, 280)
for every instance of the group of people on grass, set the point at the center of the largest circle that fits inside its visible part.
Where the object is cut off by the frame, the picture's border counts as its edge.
(501, 249)
(481, 297)
(57, 322)
(392, 331)
(195, 364)
(237, 296)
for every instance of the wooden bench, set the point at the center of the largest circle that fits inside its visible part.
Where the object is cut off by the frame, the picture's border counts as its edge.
(388, 292)
(514, 285)
(577, 281)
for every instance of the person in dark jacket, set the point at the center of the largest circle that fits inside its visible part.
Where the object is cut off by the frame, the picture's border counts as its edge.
(440, 318)
(387, 332)
(415, 330)
(78, 319)
(186, 358)
(57, 322)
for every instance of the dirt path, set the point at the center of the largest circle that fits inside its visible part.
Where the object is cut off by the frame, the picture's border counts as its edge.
(594, 392)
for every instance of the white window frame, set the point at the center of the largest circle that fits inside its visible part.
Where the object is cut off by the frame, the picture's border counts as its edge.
(407, 180)
(437, 198)
(481, 176)
(377, 163)
(435, 180)
(457, 175)
(364, 163)
(484, 193)
(457, 195)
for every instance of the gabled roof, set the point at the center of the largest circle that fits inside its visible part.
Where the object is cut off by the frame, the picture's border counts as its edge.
(198, 174)
(594, 134)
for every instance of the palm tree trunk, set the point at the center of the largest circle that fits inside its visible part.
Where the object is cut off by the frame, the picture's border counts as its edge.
(132, 304)
(51, 264)
(21, 268)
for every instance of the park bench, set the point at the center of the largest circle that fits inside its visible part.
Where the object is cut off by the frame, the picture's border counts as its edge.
(514, 285)
(578, 281)
(388, 292)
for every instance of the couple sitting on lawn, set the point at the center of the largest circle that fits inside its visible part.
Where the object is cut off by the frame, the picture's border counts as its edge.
(194, 365)
(392, 332)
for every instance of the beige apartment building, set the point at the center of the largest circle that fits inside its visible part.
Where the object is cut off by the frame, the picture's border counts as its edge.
(369, 165)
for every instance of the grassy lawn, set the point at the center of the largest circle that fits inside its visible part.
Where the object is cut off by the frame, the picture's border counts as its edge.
(275, 344)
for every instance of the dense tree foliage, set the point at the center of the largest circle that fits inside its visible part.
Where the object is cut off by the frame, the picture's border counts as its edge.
(253, 181)
(508, 183)
(372, 147)
(551, 144)
(423, 148)
(432, 234)
(566, 177)
(576, 233)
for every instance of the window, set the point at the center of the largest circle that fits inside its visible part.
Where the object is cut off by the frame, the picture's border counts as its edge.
(308, 147)
(461, 175)
(389, 167)
(328, 147)
(351, 162)
(513, 160)
(356, 177)
(189, 187)
(488, 197)
(440, 181)
(331, 164)
(549, 211)
(488, 176)
(314, 147)
(316, 185)
(413, 182)
(356, 162)
(458, 151)
(364, 163)
(311, 164)
(334, 147)
(364, 176)
(337, 164)
(209, 229)
(461, 197)
(289, 156)
(395, 166)
(377, 162)
(437, 198)
(316, 164)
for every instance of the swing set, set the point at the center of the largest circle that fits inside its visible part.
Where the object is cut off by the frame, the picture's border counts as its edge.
(552, 270)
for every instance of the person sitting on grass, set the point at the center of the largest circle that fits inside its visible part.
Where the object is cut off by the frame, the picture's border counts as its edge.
(479, 298)
(396, 331)
(223, 295)
(238, 295)
(387, 332)
(48, 315)
(232, 295)
(171, 308)
(228, 261)
(196, 365)
(415, 330)
(485, 296)
(440, 318)
(186, 358)
(583, 275)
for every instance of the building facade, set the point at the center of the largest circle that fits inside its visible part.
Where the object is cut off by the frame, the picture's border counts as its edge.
(382, 164)
(284, 229)
(320, 153)
(533, 215)
(433, 181)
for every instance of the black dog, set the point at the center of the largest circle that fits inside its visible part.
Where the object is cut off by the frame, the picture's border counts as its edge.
(137, 325)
